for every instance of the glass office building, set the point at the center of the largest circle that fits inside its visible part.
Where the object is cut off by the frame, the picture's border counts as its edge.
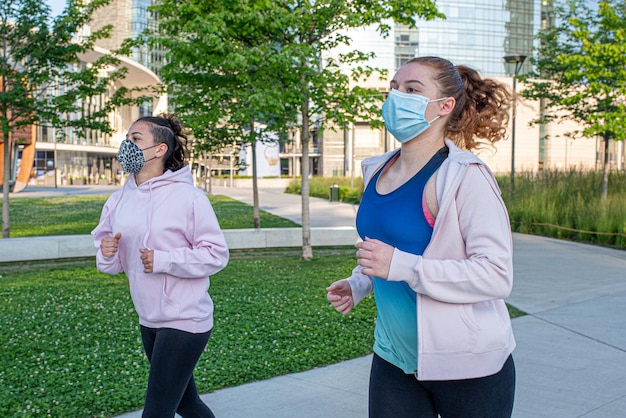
(479, 34)
(141, 19)
(129, 18)
(63, 157)
(475, 33)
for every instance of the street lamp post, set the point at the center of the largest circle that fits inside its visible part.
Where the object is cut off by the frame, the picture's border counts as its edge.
(518, 60)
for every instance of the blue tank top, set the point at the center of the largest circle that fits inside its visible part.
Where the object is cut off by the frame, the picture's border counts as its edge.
(398, 219)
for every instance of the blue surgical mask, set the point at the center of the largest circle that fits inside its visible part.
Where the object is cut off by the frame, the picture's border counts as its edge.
(403, 114)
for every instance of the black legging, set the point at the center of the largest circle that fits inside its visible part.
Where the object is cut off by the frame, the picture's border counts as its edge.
(395, 394)
(173, 355)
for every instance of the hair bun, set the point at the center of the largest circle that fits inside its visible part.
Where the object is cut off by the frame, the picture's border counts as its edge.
(175, 124)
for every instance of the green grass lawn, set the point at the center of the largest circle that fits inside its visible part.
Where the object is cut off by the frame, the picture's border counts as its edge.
(70, 335)
(75, 215)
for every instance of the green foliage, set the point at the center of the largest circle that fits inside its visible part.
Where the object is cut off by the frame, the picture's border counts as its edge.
(38, 53)
(565, 204)
(231, 63)
(350, 190)
(580, 68)
(255, 70)
(223, 72)
(73, 215)
(514, 312)
(71, 341)
(43, 80)
(551, 203)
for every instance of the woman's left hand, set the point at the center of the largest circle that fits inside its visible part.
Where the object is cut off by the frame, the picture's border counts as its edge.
(375, 257)
(147, 258)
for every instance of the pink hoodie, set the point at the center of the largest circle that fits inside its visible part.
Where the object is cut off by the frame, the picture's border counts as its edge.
(464, 329)
(169, 215)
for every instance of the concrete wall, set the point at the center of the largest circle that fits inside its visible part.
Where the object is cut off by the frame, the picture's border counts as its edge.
(72, 246)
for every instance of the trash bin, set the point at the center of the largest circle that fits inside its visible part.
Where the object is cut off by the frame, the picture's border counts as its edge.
(333, 193)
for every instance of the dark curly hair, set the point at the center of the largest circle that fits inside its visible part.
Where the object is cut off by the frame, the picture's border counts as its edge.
(166, 129)
(481, 113)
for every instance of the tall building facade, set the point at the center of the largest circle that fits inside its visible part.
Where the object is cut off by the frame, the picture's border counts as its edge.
(54, 157)
(477, 34)
(129, 19)
(62, 157)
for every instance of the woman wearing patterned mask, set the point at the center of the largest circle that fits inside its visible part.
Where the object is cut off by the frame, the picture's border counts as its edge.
(436, 250)
(163, 233)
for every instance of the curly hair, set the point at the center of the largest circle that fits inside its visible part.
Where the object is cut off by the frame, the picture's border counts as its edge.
(166, 129)
(481, 113)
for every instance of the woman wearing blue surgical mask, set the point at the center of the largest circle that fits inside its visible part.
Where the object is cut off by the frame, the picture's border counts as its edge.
(436, 250)
(163, 233)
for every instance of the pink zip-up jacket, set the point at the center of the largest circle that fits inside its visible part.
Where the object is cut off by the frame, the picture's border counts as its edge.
(169, 215)
(464, 329)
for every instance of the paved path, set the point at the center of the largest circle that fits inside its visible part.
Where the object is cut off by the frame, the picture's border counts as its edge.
(571, 354)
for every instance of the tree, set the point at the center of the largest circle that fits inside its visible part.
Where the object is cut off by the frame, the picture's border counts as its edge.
(42, 81)
(221, 76)
(276, 62)
(580, 71)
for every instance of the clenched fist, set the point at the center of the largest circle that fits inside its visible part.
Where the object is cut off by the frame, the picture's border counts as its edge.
(109, 245)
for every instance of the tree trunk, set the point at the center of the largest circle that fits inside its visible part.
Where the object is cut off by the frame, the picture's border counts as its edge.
(307, 249)
(6, 185)
(206, 173)
(210, 174)
(255, 185)
(605, 170)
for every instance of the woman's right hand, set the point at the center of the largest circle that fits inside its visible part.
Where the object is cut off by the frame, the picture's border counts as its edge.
(340, 296)
(108, 245)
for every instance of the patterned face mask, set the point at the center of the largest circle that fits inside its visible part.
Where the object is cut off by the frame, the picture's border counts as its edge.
(131, 157)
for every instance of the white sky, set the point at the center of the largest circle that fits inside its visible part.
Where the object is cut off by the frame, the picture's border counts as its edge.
(57, 6)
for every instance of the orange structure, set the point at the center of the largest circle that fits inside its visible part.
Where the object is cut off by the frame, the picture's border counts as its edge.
(25, 137)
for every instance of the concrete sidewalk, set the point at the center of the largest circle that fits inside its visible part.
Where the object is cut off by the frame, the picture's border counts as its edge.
(323, 213)
(571, 354)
